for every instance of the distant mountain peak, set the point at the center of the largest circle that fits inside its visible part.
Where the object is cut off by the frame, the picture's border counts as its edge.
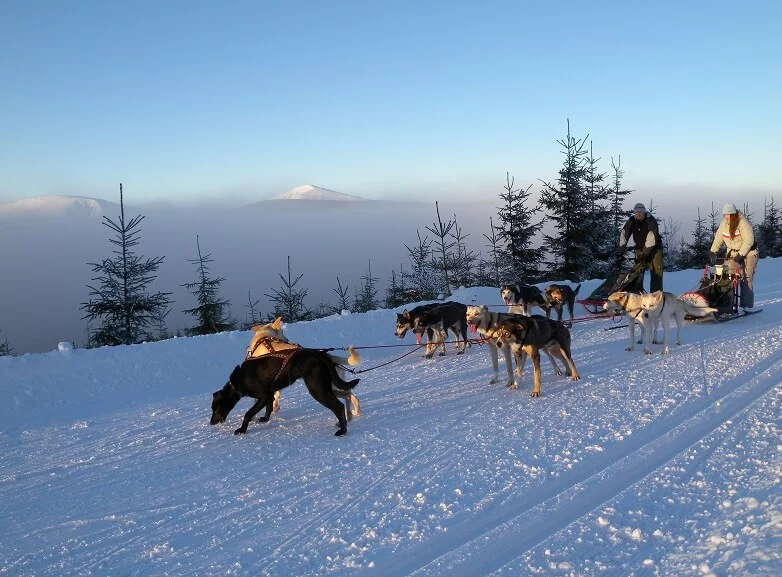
(311, 192)
(57, 205)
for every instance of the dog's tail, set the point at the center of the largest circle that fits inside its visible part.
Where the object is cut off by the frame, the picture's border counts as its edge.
(694, 311)
(353, 359)
(575, 291)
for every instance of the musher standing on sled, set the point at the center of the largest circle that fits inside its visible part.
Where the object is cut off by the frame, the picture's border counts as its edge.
(737, 234)
(642, 227)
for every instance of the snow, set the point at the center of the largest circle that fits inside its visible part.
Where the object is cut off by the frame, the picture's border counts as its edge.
(649, 465)
(310, 192)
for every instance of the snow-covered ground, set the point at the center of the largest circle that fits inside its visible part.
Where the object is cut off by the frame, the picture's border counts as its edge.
(649, 465)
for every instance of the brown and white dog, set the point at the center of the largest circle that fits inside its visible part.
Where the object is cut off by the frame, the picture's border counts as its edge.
(530, 335)
(269, 338)
(559, 296)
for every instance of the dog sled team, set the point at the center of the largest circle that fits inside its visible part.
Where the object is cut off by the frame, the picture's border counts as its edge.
(272, 363)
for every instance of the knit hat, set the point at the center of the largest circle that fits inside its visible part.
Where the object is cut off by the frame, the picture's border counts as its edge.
(639, 207)
(729, 208)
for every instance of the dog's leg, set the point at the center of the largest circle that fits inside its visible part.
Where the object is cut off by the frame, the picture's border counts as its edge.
(631, 324)
(269, 410)
(276, 402)
(248, 416)
(442, 333)
(356, 405)
(509, 366)
(665, 334)
(429, 343)
(679, 324)
(535, 372)
(647, 332)
(557, 370)
(495, 369)
(563, 353)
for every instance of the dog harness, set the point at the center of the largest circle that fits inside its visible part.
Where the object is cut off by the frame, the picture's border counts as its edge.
(267, 346)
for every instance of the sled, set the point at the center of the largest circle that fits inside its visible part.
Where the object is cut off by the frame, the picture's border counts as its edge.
(630, 280)
(720, 287)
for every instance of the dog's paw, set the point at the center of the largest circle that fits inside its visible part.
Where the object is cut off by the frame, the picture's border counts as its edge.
(629, 348)
(263, 419)
(665, 351)
(460, 352)
(512, 385)
(576, 377)
(341, 431)
(647, 351)
(535, 394)
(428, 355)
(559, 372)
(656, 342)
(442, 354)
(240, 431)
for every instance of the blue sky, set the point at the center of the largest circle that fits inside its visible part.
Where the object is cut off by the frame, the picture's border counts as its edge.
(183, 101)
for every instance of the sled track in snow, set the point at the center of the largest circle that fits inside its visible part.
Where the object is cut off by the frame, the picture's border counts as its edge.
(523, 521)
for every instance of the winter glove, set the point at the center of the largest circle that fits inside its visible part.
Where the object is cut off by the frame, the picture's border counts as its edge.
(642, 258)
(738, 259)
(712, 258)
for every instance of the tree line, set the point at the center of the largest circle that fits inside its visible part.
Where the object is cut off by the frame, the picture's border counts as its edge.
(582, 207)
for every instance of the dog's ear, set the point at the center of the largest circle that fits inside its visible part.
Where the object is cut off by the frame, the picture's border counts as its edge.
(406, 314)
(277, 323)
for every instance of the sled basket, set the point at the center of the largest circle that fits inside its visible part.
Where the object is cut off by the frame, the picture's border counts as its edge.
(619, 280)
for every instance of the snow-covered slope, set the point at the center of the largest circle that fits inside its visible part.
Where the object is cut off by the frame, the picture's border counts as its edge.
(649, 465)
(59, 206)
(310, 192)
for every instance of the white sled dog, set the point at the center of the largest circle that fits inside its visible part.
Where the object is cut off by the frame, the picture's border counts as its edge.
(663, 306)
(628, 303)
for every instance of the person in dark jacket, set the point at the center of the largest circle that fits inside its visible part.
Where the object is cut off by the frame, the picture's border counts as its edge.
(643, 230)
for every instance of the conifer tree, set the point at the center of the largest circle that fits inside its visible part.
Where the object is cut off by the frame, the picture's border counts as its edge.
(600, 219)
(463, 260)
(120, 302)
(252, 305)
(492, 272)
(567, 207)
(420, 279)
(516, 231)
(441, 257)
(618, 215)
(694, 253)
(769, 236)
(5, 348)
(342, 298)
(396, 294)
(212, 311)
(288, 301)
(366, 298)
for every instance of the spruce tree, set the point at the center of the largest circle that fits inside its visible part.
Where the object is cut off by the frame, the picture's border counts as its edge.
(366, 298)
(769, 236)
(5, 348)
(441, 257)
(600, 219)
(396, 293)
(342, 298)
(519, 261)
(492, 275)
(212, 311)
(567, 207)
(420, 280)
(120, 302)
(463, 259)
(288, 301)
(252, 305)
(694, 253)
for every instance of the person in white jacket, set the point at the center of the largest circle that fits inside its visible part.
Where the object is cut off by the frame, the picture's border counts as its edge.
(736, 233)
